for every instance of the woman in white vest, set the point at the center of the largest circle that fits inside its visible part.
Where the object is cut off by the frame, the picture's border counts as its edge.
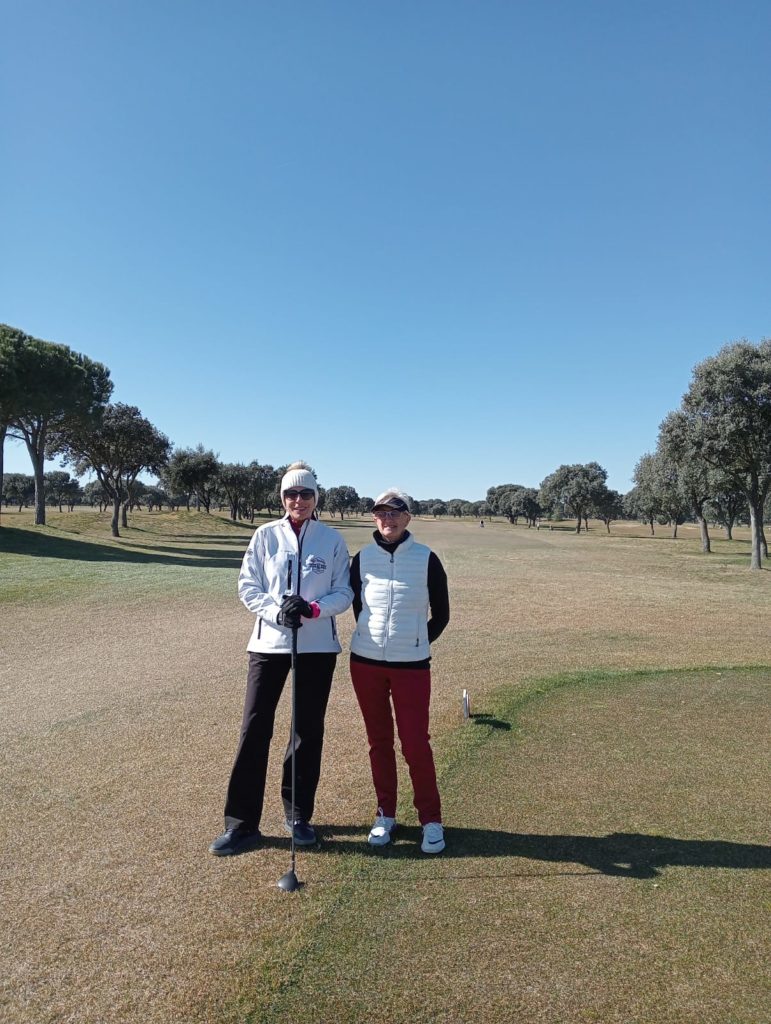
(294, 575)
(401, 605)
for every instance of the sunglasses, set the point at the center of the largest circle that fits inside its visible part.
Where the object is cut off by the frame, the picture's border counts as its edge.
(387, 515)
(306, 494)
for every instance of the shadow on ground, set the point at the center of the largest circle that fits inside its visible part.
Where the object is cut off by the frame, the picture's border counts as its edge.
(44, 545)
(626, 854)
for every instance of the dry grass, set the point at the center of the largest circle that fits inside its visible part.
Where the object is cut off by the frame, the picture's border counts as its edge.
(121, 688)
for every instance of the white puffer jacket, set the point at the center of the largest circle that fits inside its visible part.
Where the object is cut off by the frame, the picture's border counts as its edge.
(322, 557)
(393, 622)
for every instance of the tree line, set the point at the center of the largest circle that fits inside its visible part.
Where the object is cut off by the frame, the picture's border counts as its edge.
(712, 460)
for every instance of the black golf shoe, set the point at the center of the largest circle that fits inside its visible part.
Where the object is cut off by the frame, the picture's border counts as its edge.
(304, 834)
(236, 840)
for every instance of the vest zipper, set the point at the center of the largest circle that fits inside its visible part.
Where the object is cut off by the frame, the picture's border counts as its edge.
(390, 606)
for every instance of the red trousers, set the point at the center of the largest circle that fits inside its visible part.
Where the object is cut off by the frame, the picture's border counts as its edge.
(377, 687)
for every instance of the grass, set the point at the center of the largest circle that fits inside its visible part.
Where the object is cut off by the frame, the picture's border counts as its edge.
(569, 891)
(121, 682)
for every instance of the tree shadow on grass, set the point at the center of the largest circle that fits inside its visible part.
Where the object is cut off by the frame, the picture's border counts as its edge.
(624, 854)
(44, 545)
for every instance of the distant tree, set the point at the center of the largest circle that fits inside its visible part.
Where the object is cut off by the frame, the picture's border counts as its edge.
(504, 500)
(260, 481)
(61, 488)
(342, 499)
(678, 448)
(608, 506)
(726, 503)
(366, 505)
(51, 390)
(234, 479)
(155, 496)
(11, 341)
(643, 501)
(18, 489)
(529, 505)
(575, 488)
(123, 445)
(437, 509)
(95, 494)
(195, 471)
(673, 501)
(728, 410)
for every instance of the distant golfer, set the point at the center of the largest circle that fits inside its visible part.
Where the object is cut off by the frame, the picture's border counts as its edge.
(294, 574)
(401, 605)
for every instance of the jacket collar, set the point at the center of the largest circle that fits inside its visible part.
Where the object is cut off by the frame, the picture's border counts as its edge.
(386, 546)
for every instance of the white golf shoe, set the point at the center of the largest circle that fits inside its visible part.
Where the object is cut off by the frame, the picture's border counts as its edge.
(380, 833)
(433, 837)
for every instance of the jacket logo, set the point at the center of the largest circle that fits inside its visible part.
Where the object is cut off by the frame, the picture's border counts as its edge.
(316, 564)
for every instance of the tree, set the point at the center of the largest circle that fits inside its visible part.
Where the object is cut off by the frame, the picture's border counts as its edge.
(342, 499)
(673, 501)
(11, 341)
(726, 503)
(95, 494)
(728, 411)
(234, 479)
(643, 500)
(118, 449)
(575, 488)
(60, 488)
(156, 496)
(54, 390)
(530, 506)
(504, 500)
(676, 448)
(608, 505)
(261, 482)
(18, 489)
(194, 470)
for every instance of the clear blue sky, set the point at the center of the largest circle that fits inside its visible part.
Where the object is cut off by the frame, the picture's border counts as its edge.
(438, 244)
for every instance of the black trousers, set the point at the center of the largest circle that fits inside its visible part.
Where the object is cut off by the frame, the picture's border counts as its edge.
(264, 683)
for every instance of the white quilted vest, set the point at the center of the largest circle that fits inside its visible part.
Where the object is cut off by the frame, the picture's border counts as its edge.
(392, 625)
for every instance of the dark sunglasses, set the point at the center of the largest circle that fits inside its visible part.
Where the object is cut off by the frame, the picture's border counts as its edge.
(306, 494)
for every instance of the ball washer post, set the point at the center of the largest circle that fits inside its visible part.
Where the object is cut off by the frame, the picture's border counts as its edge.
(289, 881)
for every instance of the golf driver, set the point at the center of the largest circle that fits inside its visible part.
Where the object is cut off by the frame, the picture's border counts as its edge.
(289, 882)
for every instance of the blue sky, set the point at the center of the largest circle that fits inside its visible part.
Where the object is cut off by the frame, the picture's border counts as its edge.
(440, 245)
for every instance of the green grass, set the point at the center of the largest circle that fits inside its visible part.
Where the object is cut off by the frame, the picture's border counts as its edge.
(633, 897)
(75, 556)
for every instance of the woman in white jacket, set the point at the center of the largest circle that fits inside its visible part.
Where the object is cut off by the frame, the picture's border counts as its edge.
(295, 574)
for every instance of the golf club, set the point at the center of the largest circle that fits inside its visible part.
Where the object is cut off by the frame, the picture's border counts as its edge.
(289, 882)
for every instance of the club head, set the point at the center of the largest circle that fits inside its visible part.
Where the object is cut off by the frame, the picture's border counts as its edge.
(289, 882)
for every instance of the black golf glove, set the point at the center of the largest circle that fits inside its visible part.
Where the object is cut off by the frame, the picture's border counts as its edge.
(295, 603)
(291, 620)
(292, 609)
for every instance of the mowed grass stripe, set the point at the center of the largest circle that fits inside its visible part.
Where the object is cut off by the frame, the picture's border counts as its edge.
(605, 853)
